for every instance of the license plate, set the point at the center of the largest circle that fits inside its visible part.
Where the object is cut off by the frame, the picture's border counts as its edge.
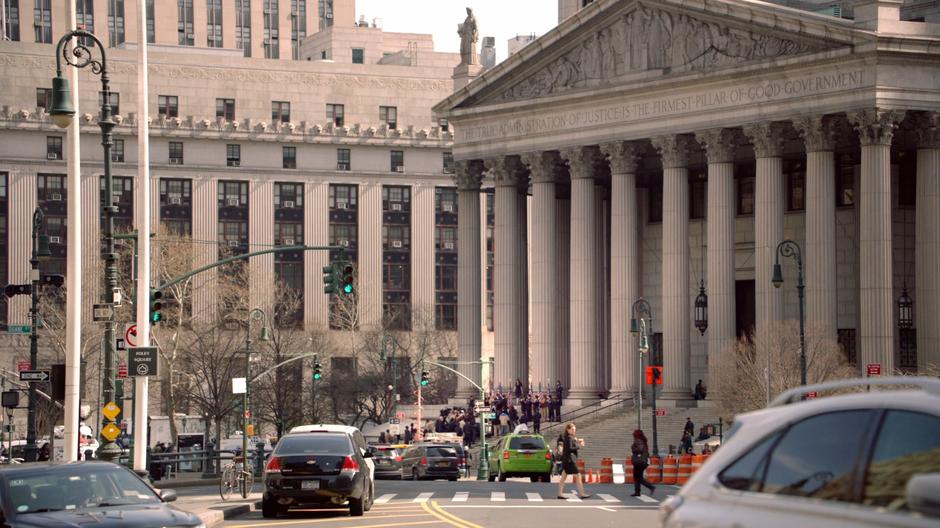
(383, 462)
(443, 464)
(309, 484)
(527, 455)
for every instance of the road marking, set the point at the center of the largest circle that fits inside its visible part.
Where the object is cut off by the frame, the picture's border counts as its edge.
(436, 511)
(461, 496)
(608, 498)
(574, 498)
(559, 506)
(533, 497)
(384, 499)
(606, 509)
(498, 496)
(647, 498)
(269, 522)
(423, 497)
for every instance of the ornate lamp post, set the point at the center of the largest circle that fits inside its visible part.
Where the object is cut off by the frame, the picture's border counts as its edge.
(638, 327)
(789, 248)
(701, 310)
(256, 314)
(80, 56)
(40, 250)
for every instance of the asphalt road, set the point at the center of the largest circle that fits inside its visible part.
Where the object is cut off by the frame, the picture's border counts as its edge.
(473, 504)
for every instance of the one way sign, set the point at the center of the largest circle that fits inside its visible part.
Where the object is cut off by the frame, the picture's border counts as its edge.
(34, 376)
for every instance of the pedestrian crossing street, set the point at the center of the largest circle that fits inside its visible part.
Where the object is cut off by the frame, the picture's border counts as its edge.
(503, 496)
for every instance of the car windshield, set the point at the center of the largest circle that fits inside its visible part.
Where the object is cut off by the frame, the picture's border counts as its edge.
(58, 488)
(447, 452)
(387, 451)
(527, 442)
(314, 444)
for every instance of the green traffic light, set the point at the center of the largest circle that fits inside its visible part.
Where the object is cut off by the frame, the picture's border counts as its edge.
(347, 289)
(424, 383)
(317, 375)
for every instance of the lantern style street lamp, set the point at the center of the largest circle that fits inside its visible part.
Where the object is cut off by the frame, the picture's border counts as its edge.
(789, 248)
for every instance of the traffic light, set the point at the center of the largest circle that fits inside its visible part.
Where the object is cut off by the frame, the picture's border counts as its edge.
(12, 290)
(54, 280)
(155, 306)
(317, 370)
(329, 279)
(347, 278)
(424, 378)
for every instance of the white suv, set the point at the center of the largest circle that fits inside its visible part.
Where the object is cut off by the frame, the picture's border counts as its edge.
(863, 459)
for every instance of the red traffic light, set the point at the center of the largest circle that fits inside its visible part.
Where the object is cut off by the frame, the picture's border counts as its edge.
(654, 375)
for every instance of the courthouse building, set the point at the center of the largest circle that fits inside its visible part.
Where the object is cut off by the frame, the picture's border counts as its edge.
(654, 149)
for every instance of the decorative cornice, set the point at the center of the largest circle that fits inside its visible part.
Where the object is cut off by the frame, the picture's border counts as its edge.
(545, 166)
(927, 129)
(720, 144)
(508, 171)
(768, 138)
(623, 156)
(469, 175)
(583, 161)
(819, 133)
(875, 126)
(674, 149)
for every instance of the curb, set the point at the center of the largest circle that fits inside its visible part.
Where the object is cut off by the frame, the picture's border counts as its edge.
(217, 516)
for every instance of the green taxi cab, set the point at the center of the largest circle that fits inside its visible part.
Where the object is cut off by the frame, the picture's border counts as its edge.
(521, 455)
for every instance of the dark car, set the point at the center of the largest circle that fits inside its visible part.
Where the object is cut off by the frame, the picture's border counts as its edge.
(92, 494)
(318, 468)
(431, 461)
(387, 461)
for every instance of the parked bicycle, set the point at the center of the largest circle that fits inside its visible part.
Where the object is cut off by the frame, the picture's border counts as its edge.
(236, 477)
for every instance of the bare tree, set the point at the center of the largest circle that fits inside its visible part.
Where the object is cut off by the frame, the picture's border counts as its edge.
(211, 361)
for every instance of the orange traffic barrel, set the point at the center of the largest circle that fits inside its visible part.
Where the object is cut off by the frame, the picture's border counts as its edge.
(607, 471)
(685, 469)
(581, 469)
(628, 471)
(670, 470)
(653, 471)
(697, 461)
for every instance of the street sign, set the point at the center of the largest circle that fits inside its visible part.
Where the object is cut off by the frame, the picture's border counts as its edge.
(122, 371)
(238, 385)
(111, 410)
(119, 344)
(489, 416)
(130, 335)
(247, 413)
(34, 376)
(649, 375)
(811, 394)
(874, 369)
(102, 313)
(23, 365)
(660, 412)
(18, 329)
(142, 361)
(111, 432)
(394, 421)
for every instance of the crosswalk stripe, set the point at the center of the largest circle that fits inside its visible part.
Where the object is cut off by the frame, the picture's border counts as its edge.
(423, 497)
(574, 498)
(498, 496)
(461, 496)
(608, 498)
(647, 498)
(384, 499)
(533, 497)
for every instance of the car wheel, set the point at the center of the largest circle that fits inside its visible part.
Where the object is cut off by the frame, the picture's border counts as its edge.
(534, 478)
(547, 477)
(368, 505)
(356, 507)
(269, 509)
(452, 479)
(499, 475)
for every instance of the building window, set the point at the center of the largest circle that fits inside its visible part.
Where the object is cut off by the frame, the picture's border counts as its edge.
(698, 195)
(447, 160)
(389, 116)
(176, 152)
(398, 161)
(184, 25)
(114, 101)
(358, 56)
(117, 151)
(446, 200)
(796, 186)
(151, 29)
(175, 192)
(745, 196)
(289, 157)
(243, 26)
(846, 337)
(233, 155)
(845, 182)
(42, 20)
(44, 98)
(168, 105)
(288, 195)
(343, 162)
(445, 238)
(225, 109)
(233, 194)
(396, 198)
(115, 22)
(11, 21)
(85, 16)
(298, 26)
(288, 233)
(443, 124)
(214, 23)
(396, 237)
(655, 193)
(334, 112)
(343, 197)
(325, 10)
(54, 148)
(280, 111)
(271, 27)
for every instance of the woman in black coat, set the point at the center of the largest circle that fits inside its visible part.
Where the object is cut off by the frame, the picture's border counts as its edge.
(569, 461)
(640, 455)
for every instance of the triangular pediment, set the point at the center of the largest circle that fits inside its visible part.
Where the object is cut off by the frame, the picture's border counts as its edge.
(615, 42)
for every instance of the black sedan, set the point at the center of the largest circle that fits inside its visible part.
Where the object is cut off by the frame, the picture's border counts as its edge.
(86, 494)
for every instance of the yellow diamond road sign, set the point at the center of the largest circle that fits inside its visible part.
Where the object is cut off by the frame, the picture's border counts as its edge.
(111, 410)
(111, 432)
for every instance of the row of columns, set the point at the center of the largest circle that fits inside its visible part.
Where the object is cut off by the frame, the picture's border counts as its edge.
(586, 165)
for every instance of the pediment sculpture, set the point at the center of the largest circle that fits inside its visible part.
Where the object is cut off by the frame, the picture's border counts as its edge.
(652, 39)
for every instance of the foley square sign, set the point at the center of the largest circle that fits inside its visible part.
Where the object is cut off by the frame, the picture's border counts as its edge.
(142, 361)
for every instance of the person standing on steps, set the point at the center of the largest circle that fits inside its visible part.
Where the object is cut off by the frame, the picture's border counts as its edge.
(640, 455)
(569, 461)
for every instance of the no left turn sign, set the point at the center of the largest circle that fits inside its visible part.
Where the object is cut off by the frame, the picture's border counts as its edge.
(130, 335)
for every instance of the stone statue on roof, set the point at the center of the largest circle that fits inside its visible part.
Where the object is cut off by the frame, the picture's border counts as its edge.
(469, 35)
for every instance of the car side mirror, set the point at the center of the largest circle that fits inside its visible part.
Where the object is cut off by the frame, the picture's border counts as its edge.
(923, 494)
(168, 495)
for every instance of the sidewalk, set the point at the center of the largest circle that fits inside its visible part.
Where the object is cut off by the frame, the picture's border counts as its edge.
(205, 502)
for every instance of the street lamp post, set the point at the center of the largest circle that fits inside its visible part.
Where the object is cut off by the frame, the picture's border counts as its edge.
(638, 327)
(789, 248)
(62, 112)
(256, 314)
(40, 249)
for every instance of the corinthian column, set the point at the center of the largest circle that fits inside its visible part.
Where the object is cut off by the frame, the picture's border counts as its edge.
(469, 265)
(876, 291)
(624, 261)
(819, 256)
(927, 233)
(510, 312)
(768, 141)
(544, 168)
(676, 348)
(720, 146)
(584, 298)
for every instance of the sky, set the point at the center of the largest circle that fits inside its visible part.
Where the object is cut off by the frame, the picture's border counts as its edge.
(502, 19)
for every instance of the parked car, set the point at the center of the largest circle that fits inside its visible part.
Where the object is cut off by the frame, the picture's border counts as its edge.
(323, 465)
(92, 494)
(521, 455)
(862, 459)
(431, 461)
(387, 461)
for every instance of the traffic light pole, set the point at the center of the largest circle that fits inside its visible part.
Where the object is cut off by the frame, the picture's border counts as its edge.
(32, 451)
